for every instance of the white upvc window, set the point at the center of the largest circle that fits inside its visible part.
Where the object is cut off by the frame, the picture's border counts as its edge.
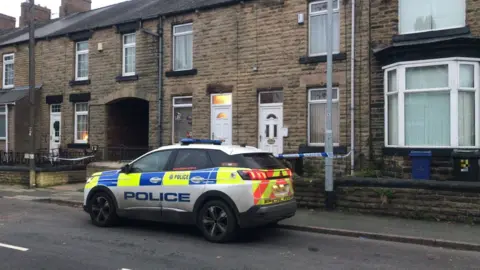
(81, 122)
(8, 70)
(3, 122)
(430, 15)
(81, 61)
(432, 104)
(318, 28)
(317, 111)
(183, 47)
(181, 118)
(129, 54)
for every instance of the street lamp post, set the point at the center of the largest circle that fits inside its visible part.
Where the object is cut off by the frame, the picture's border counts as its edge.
(31, 94)
(329, 193)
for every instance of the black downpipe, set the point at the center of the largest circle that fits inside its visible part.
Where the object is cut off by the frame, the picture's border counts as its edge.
(160, 80)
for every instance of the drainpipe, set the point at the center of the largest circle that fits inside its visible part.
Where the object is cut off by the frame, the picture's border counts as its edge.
(352, 94)
(160, 80)
(6, 129)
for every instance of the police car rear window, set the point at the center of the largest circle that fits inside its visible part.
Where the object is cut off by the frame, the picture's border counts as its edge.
(262, 161)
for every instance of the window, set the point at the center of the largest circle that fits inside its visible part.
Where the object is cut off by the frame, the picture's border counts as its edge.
(318, 28)
(183, 47)
(81, 65)
(192, 159)
(432, 104)
(154, 162)
(261, 161)
(3, 122)
(81, 123)
(182, 118)
(317, 106)
(129, 54)
(429, 15)
(221, 159)
(8, 70)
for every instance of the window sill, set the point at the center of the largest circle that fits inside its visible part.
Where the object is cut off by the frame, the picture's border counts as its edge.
(321, 58)
(78, 146)
(81, 82)
(8, 87)
(432, 34)
(436, 152)
(180, 73)
(337, 150)
(129, 78)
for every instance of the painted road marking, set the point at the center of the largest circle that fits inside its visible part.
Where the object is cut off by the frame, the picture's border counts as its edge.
(13, 247)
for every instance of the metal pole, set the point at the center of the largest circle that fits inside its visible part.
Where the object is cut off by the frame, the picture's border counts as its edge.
(31, 65)
(329, 193)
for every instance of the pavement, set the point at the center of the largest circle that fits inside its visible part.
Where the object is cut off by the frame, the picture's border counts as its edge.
(428, 233)
(49, 236)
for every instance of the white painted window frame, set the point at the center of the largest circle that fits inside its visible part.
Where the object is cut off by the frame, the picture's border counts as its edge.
(125, 46)
(77, 56)
(453, 87)
(5, 114)
(175, 45)
(321, 101)
(425, 31)
(319, 13)
(186, 105)
(5, 63)
(80, 113)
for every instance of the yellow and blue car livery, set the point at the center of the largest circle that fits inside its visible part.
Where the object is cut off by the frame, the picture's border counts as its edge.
(251, 196)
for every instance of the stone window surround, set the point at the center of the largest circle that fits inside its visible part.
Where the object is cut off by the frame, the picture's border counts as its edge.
(310, 102)
(453, 26)
(453, 63)
(4, 65)
(77, 56)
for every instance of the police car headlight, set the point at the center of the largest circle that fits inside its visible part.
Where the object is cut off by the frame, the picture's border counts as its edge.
(89, 179)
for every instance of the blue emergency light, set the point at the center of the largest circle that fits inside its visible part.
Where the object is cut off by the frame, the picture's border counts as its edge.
(188, 141)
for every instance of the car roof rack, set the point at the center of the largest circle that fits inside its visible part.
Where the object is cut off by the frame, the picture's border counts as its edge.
(188, 141)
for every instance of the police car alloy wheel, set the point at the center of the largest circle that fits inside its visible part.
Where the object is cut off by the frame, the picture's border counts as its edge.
(217, 222)
(102, 210)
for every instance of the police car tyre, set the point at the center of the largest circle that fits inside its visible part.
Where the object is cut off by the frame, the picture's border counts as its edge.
(217, 222)
(102, 210)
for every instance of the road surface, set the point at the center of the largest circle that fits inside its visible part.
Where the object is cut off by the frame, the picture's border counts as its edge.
(46, 236)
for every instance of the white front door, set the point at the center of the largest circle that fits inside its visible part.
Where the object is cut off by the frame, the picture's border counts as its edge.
(270, 128)
(221, 118)
(55, 127)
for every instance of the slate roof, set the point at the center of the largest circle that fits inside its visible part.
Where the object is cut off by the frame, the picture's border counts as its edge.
(15, 94)
(123, 12)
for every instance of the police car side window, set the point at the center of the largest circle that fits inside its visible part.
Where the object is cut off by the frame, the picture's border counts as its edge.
(191, 159)
(221, 159)
(155, 162)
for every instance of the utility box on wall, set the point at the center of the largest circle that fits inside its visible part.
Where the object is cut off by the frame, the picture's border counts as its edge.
(421, 163)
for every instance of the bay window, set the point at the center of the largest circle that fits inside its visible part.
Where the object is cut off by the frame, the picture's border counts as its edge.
(429, 15)
(432, 104)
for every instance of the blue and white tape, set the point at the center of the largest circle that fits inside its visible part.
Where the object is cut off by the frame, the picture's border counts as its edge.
(308, 155)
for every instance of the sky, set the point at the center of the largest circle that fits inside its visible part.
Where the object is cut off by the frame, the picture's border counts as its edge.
(12, 7)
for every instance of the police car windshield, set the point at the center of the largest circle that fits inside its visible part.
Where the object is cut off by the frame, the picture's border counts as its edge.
(262, 161)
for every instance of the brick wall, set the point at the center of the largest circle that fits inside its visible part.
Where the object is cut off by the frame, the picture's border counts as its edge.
(449, 201)
(21, 176)
(14, 177)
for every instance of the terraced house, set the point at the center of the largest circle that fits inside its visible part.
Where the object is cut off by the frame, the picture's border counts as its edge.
(146, 73)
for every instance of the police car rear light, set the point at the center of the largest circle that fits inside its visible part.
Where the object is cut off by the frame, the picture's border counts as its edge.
(252, 175)
(188, 141)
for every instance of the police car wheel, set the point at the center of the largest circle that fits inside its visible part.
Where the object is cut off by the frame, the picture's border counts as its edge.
(102, 210)
(217, 222)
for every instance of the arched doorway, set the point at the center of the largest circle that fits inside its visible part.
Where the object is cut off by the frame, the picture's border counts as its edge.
(128, 123)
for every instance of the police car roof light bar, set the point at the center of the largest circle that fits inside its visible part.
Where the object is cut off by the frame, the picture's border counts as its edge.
(188, 141)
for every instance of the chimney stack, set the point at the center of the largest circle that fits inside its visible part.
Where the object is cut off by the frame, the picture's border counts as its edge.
(7, 22)
(73, 6)
(42, 14)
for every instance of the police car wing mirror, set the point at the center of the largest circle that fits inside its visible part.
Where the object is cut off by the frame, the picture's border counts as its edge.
(126, 169)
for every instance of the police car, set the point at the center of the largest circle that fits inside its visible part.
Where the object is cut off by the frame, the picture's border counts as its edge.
(219, 188)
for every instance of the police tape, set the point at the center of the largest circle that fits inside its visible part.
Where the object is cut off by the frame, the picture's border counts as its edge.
(68, 159)
(308, 155)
